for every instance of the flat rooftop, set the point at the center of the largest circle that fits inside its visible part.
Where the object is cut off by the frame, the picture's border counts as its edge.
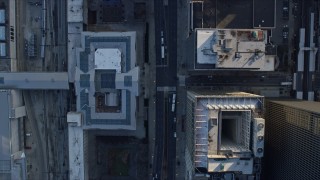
(233, 14)
(264, 13)
(106, 80)
(108, 58)
(209, 93)
(75, 11)
(75, 146)
(232, 49)
(222, 113)
(222, 14)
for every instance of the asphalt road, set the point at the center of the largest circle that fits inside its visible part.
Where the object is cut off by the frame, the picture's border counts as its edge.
(158, 155)
(166, 76)
(171, 27)
(263, 80)
(171, 140)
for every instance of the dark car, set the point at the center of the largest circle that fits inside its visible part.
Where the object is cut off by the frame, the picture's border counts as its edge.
(285, 9)
(285, 33)
(295, 10)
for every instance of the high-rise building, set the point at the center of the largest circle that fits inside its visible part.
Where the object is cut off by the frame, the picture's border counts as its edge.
(225, 134)
(292, 140)
(104, 69)
(106, 86)
(106, 80)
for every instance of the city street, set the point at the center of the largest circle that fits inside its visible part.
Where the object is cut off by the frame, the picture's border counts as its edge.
(41, 46)
(166, 79)
(159, 124)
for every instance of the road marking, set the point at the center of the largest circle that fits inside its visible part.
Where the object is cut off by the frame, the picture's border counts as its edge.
(227, 20)
(166, 88)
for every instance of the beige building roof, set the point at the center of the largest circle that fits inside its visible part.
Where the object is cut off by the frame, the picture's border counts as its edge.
(213, 93)
(233, 48)
(310, 106)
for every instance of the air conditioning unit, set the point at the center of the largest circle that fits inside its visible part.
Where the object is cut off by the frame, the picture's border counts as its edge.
(258, 137)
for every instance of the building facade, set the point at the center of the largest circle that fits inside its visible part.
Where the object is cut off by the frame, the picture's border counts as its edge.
(292, 140)
(225, 134)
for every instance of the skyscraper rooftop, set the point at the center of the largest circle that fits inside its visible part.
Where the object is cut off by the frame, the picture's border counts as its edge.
(106, 80)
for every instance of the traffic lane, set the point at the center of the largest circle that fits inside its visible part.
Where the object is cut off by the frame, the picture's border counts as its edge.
(172, 35)
(244, 83)
(157, 166)
(172, 67)
(166, 76)
(159, 133)
(158, 8)
(264, 80)
(237, 78)
(280, 22)
(171, 147)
